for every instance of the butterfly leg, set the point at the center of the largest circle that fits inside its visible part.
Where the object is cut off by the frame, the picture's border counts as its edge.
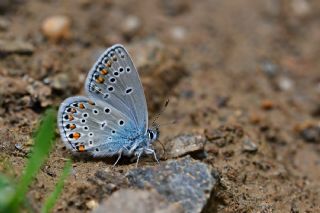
(119, 156)
(151, 151)
(138, 157)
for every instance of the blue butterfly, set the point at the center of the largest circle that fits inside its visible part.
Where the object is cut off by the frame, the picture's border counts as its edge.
(114, 119)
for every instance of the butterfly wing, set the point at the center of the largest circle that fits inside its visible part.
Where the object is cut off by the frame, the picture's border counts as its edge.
(93, 128)
(114, 80)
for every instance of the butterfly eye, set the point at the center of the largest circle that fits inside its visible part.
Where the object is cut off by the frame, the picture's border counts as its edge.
(151, 135)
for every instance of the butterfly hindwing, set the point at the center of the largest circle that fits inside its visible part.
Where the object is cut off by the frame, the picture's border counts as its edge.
(114, 80)
(87, 126)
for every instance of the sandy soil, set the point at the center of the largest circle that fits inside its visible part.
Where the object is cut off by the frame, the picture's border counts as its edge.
(247, 68)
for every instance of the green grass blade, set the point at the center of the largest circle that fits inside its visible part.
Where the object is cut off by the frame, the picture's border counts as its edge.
(6, 192)
(43, 143)
(52, 199)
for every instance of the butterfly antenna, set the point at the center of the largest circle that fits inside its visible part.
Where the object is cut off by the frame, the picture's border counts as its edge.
(168, 123)
(164, 149)
(158, 115)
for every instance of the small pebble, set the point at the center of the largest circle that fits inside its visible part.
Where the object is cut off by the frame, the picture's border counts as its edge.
(175, 7)
(178, 33)
(184, 144)
(150, 53)
(18, 146)
(311, 134)
(300, 7)
(222, 101)
(56, 28)
(255, 118)
(138, 201)
(92, 204)
(285, 83)
(60, 81)
(4, 24)
(267, 104)
(249, 145)
(131, 26)
(15, 47)
(269, 68)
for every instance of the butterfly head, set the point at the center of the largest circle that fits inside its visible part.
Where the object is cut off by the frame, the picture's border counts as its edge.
(153, 134)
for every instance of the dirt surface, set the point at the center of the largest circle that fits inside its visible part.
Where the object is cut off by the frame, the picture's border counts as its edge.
(243, 74)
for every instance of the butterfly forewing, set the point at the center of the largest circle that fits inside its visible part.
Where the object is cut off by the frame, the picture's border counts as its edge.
(87, 126)
(114, 80)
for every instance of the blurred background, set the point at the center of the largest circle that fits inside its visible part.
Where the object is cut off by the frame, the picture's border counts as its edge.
(224, 65)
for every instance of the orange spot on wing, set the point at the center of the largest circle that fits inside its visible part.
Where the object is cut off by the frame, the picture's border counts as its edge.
(73, 110)
(70, 117)
(104, 71)
(81, 148)
(108, 64)
(91, 102)
(72, 126)
(100, 80)
(76, 135)
(81, 106)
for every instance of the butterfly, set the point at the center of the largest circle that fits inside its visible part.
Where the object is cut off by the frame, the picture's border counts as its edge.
(113, 119)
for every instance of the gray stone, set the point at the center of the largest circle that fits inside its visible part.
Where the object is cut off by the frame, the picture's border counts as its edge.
(184, 144)
(15, 47)
(269, 68)
(249, 145)
(131, 26)
(4, 24)
(60, 81)
(187, 181)
(311, 134)
(138, 201)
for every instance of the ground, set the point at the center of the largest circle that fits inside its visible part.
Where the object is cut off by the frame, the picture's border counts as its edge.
(242, 74)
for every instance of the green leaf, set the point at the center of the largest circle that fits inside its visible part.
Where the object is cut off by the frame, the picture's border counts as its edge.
(43, 143)
(6, 192)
